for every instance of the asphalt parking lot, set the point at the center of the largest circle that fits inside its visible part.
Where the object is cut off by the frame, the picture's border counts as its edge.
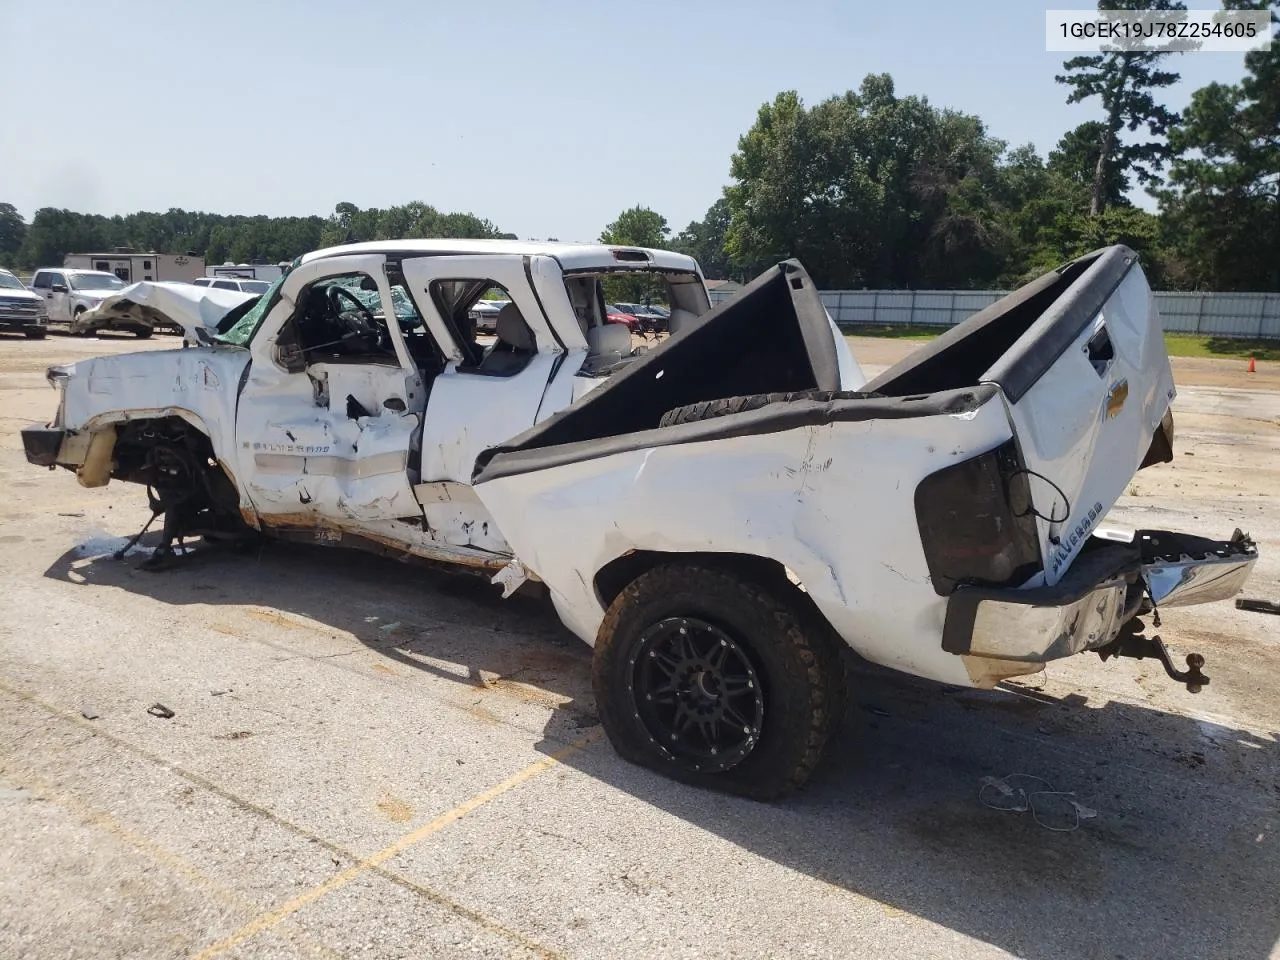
(368, 759)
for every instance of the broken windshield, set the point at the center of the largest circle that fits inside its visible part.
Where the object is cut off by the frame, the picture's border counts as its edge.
(242, 331)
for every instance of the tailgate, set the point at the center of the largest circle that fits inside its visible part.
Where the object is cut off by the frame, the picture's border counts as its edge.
(1086, 387)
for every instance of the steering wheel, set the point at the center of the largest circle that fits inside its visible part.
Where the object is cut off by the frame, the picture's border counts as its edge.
(367, 326)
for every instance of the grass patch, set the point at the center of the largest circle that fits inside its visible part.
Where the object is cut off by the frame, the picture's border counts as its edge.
(1178, 344)
(1222, 348)
(892, 331)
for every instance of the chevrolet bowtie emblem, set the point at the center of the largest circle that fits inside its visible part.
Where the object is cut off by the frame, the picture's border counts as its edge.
(1116, 397)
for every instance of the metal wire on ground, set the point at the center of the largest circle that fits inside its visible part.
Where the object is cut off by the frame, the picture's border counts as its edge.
(1001, 793)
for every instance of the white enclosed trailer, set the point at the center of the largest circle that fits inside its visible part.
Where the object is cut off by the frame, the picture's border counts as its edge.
(135, 267)
(246, 271)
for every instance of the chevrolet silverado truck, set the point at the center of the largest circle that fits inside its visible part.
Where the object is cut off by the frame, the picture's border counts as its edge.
(720, 516)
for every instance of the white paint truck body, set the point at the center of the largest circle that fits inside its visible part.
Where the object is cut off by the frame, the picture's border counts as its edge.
(718, 516)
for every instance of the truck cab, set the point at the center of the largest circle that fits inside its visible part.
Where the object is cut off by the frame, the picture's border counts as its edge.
(350, 401)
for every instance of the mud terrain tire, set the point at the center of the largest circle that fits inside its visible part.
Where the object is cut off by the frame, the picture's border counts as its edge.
(799, 671)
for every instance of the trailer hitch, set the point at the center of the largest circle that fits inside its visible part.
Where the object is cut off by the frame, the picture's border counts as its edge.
(1132, 643)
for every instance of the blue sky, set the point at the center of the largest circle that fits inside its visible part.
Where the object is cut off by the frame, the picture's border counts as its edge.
(546, 117)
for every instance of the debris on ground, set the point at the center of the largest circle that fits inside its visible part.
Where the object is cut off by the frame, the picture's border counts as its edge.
(1258, 606)
(89, 713)
(161, 711)
(1055, 810)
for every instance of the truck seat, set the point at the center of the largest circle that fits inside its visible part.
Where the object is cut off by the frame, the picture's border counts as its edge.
(514, 346)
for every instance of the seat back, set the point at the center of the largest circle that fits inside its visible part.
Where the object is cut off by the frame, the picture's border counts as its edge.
(611, 341)
(515, 345)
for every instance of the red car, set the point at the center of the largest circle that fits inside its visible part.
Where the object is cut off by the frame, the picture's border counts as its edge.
(614, 314)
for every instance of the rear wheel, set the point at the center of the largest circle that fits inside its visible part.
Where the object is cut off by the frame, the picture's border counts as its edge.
(716, 680)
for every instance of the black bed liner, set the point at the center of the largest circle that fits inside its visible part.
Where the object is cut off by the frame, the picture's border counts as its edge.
(775, 337)
(1014, 341)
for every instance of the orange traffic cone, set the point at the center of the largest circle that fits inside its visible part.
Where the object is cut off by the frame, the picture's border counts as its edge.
(1253, 366)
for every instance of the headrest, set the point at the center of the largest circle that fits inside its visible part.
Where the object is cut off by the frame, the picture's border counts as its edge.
(512, 330)
(608, 339)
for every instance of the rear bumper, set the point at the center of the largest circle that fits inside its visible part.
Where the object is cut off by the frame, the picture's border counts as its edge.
(1109, 584)
(41, 445)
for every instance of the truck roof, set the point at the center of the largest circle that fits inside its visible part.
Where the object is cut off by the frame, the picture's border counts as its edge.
(571, 256)
(76, 270)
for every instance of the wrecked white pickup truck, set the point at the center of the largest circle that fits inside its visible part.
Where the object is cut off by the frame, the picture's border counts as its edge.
(719, 516)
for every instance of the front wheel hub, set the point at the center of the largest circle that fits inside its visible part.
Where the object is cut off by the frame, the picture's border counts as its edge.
(696, 693)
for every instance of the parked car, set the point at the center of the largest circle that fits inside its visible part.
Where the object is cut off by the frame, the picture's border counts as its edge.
(484, 314)
(615, 314)
(240, 284)
(661, 315)
(647, 318)
(70, 293)
(652, 317)
(719, 517)
(21, 311)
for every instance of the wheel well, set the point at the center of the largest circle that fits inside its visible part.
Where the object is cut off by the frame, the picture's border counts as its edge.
(134, 438)
(614, 576)
(176, 462)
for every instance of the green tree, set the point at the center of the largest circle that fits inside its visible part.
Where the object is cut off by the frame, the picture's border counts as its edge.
(638, 227)
(1223, 204)
(1123, 82)
(1076, 159)
(13, 228)
(704, 241)
(54, 233)
(867, 189)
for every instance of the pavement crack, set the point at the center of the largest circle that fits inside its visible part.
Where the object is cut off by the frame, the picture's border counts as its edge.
(363, 863)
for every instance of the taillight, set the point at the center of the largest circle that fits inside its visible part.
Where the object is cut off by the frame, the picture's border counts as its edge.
(976, 523)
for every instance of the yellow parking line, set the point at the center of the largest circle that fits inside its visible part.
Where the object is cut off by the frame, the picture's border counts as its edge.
(93, 817)
(270, 919)
(373, 863)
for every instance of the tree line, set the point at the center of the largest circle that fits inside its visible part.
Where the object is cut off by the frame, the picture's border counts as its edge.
(53, 233)
(876, 189)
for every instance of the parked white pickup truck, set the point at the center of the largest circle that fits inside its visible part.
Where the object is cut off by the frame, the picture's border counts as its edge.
(720, 516)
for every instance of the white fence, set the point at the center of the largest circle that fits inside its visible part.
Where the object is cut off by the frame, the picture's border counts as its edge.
(1243, 315)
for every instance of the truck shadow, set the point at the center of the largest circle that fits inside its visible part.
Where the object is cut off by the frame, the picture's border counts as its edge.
(1179, 861)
